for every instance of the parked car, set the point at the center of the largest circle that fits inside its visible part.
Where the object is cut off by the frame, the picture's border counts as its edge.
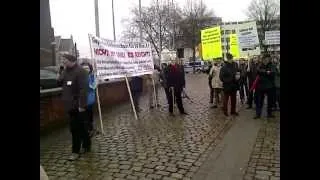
(199, 66)
(48, 79)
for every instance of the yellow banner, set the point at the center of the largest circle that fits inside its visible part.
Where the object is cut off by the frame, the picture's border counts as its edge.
(234, 46)
(211, 43)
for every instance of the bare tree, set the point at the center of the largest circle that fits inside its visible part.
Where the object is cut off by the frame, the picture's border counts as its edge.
(155, 21)
(266, 13)
(196, 16)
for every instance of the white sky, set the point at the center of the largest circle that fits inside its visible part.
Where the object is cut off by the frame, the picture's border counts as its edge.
(76, 17)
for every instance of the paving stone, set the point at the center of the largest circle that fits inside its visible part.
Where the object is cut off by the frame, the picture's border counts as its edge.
(124, 167)
(147, 170)
(154, 176)
(177, 175)
(160, 167)
(137, 168)
(163, 173)
(130, 177)
(171, 169)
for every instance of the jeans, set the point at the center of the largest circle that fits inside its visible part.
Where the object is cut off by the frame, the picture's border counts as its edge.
(226, 96)
(260, 101)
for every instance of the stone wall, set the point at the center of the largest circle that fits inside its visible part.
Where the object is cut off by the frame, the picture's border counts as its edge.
(53, 115)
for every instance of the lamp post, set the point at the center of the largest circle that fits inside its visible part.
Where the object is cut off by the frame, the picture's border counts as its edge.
(114, 26)
(96, 12)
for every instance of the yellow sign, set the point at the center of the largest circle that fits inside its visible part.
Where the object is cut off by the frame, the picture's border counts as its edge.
(211, 43)
(234, 46)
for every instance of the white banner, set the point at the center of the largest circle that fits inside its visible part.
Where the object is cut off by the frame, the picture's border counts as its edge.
(119, 59)
(272, 37)
(248, 35)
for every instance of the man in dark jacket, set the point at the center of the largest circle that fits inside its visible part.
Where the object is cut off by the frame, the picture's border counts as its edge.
(230, 84)
(244, 89)
(74, 81)
(265, 85)
(252, 74)
(210, 85)
(136, 85)
(176, 82)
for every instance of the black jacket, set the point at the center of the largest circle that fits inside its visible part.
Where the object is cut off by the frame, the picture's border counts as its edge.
(266, 80)
(176, 77)
(252, 74)
(228, 77)
(136, 84)
(164, 77)
(75, 87)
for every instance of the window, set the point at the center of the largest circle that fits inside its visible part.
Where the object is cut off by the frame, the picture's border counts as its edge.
(222, 32)
(228, 39)
(233, 31)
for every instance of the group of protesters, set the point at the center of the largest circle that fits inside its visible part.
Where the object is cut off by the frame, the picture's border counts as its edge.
(256, 78)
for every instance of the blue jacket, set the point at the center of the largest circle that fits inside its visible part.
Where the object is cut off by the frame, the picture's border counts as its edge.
(92, 90)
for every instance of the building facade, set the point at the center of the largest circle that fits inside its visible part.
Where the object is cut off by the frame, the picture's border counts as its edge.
(46, 35)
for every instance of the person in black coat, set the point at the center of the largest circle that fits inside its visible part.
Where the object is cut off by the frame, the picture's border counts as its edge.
(230, 84)
(136, 84)
(252, 74)
(265, 86)
(176, 81)
(244, 89)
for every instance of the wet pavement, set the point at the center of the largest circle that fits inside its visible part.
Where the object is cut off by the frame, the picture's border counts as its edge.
(157, 146)
(264, 163)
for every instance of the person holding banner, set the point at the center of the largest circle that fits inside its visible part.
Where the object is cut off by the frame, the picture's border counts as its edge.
(74, 81)
(155, 77)
(91, 97)
(230, 84)
(136, 85)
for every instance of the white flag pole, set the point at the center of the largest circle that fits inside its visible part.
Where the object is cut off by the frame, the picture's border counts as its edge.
(131, 99)
(97, 91)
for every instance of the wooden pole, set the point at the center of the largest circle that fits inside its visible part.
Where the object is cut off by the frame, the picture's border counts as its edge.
(97, 90)
(131, 99)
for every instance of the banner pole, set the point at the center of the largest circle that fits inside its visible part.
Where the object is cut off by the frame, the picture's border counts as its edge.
(131, 99)
(97, 91)
(154, 93)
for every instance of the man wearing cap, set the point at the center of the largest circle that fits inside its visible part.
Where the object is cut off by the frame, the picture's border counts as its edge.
(74, 81)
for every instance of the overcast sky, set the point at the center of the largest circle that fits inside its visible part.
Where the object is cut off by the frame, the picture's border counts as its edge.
(76, 17)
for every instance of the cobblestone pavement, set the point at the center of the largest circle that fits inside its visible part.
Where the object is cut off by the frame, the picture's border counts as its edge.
(157, 146)
(264, 163)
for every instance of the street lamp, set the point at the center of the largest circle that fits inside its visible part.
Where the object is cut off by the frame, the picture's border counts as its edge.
(96, 12)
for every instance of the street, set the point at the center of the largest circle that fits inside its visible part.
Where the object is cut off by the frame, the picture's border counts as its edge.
(159, 146)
